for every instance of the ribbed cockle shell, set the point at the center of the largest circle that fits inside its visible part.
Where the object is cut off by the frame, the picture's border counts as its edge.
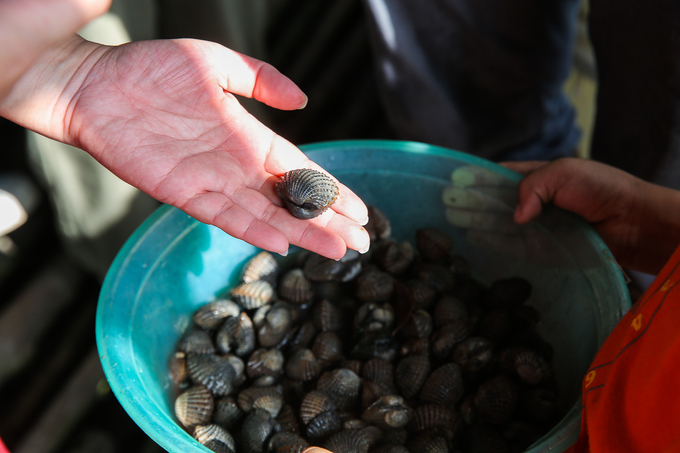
(307, 193)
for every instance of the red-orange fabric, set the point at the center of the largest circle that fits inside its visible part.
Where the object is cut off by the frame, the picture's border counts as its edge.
(631, 393)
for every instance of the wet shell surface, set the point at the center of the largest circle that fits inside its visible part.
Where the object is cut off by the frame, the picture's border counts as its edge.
(441, 362)
(307, 193)
(195, 406)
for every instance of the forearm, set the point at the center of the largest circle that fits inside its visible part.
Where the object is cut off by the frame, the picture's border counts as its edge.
(41, 97)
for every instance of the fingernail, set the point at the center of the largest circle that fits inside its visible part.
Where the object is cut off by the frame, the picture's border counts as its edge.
(365, 222)
(368, 246)
(284, 253)
(305, 104)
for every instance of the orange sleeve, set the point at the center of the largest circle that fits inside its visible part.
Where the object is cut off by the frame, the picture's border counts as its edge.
(631, 400)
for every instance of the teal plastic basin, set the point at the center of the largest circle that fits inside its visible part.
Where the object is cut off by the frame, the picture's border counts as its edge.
(172, 264)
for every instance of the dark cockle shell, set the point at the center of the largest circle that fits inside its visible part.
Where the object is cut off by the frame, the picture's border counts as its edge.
(380, 371)
(374, 286)
(447, 337)
(375, 344)
(287, 442)
(318, 268)
(307, 193)
(342, 385)
(528, 365)
(295, 287)
(324, 425)
(288, 420)
(390, 448)
(236, 335)
(327, 348)
(315, 403)
(327, 316)
(273, 323)
(267, 398)
(378, 226)
(389, 411)
(195, 406)
(253, 295)
(265, 362)
(196, 341)
(444, 386)
(434, 244)
(212, 315)
(395, 257)
(428, 443)
(411, 373)
(496, 400)
(262, 266)
(227, 412)
(302, 365)
(178, 368)
(371, 392)
(255, 431)
(418, 325)
(448, 309)
(216, 435)
(473, 354)
(215, 372)
(437, 418)
(348, 441)
(373, 317)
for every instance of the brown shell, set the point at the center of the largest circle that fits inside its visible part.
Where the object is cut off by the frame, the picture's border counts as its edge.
(327, 316)
(434, 244)
(436, 275)
(353, 365)
(411, 373)
(395, 257)
(447, 337)
(318, 268)
(374, 286)
(239, 368)
(418, 325)
(307, 193)
(435, 417)
(215, 372)
(374, 317)
(274, 324)
(267, 398)
(211, 315)
(422, 292)
(528, 365)
(253, 295)
(288, 420)
(378, 226)
(496, 400)
(428, 443)
(194, 406)
(371, 392)
(324, 425)
(388, 411)
(302, 365)
(178, 368)
(415, 346)
(444, 386)
(196, 341)
(265, 362)
(207, 433)
(236, 335)
(255, 431)
(449, 309)
(227, 412)
(327, 348)
(473, 354)
(295, 287)
(314, 403)
(348, 441)
(380, 371)
(342, 385)
(262, 266)
(287, 442)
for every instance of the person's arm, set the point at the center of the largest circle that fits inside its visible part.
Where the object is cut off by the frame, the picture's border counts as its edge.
(162, 116)
(639, 221)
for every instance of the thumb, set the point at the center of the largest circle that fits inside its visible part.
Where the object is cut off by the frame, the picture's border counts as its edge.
(316, 450)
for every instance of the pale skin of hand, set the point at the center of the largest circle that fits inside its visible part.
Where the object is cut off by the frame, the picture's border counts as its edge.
(162, 116)
(639, 221)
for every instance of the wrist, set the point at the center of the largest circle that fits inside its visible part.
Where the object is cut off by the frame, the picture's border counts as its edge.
(39, 100)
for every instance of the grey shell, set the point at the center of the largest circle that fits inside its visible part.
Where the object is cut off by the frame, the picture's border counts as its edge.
(306, 193)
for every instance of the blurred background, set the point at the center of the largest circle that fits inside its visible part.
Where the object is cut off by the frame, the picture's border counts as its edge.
(53, 394)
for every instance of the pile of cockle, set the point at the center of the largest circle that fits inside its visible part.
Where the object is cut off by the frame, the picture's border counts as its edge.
(399, 350)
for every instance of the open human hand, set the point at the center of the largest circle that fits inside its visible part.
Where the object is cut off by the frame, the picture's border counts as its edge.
(163, 116)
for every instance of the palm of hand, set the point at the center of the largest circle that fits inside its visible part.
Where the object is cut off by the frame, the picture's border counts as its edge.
(161, 116)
